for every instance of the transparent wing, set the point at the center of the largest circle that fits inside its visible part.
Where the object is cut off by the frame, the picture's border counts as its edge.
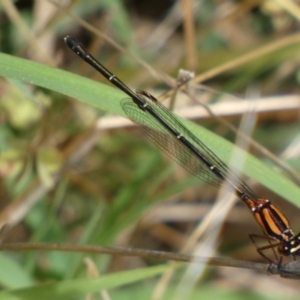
(172, 146)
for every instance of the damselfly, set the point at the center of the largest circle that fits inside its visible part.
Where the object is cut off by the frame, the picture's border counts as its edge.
(171, 136)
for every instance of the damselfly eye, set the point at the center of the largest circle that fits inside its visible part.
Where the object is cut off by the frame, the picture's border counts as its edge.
(284, 249)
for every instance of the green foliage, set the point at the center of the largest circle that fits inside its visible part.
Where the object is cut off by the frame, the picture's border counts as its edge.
(102, 198)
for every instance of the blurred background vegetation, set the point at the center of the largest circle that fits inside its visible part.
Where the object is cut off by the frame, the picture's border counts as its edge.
(73, 172)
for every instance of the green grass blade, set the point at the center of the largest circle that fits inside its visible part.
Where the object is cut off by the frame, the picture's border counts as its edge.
(68, 289)
(72, 85)
(107, 98)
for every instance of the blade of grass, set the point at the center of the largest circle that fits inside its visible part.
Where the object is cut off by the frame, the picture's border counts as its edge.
(12, 274)
(69, 289)
(107, 98)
